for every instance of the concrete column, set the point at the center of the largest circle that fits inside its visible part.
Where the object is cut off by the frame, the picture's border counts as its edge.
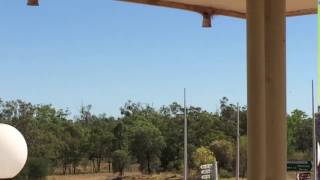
(256, 90)
(267, 134)
(275, 44)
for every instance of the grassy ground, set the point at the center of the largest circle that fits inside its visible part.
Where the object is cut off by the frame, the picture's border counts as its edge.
(132, 176)
(109, 176)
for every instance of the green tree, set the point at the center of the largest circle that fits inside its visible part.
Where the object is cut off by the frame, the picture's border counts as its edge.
(37, 168)
(146, 144)
(203, 156)
(120, 160)
(100, 142)
(243, 156)
(299, 134)
(224, 153)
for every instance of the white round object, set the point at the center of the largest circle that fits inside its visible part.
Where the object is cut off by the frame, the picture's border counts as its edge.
(13, 151)
(318, 158)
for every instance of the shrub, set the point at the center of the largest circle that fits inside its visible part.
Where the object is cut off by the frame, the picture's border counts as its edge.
(203, 156)
(120, 160)
(37, 168)
(225, 173)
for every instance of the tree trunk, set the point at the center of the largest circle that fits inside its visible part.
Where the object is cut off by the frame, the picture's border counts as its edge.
(64, 168)
(109, 164)
(93, 166)
(98, 164)
(148, 160)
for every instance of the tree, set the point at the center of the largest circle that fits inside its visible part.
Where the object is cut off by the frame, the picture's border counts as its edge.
(243, 156)
(119, 134)
(146, 144)
(37, 168)
(224, 153)
(120, 160)
(299, 134)
(203, 156)
(152, 138)
(72, 151)
(100, 142)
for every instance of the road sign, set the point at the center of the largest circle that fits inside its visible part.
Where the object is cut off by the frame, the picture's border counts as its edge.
(209, 171)
(206, 176)
(206, 166)
(303, 176)
(299, 166)
(206, 171)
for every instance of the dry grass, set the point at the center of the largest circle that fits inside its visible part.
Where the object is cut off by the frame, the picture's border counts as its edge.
(133, 176)
(109, 176)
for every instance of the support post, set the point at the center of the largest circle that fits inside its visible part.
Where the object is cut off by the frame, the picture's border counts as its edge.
(267, 127)
(276, 115)
(238, 143)
(314, 137)
(185, 138)
(256, 90)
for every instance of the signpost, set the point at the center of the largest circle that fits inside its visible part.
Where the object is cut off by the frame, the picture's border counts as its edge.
(304, 176)
(206, 166)
(299, 166)
(209, 171)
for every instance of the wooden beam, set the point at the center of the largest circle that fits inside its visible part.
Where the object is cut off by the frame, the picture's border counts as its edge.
(189, 7)
(33, 3)
(210, 10)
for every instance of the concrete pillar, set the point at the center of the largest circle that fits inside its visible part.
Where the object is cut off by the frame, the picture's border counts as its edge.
(267, 135)
(256, 90)
(276, 132)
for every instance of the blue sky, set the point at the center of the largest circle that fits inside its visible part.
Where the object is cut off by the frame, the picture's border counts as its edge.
(69, 53)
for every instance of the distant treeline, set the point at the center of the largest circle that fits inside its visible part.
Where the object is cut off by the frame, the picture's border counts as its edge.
(151, 138)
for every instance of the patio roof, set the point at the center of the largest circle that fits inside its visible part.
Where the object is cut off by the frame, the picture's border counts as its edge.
(234, 8)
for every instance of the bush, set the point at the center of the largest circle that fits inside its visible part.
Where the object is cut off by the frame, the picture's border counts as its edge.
(120, 160)
(299, 156)
(225, 173)
(224, 152)
(37, 168)
(203, 156)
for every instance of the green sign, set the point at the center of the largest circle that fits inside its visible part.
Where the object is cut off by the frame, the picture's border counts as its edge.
(299, 166)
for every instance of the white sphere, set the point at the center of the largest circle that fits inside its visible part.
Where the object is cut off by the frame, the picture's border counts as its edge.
(13, 151)
(318, 147)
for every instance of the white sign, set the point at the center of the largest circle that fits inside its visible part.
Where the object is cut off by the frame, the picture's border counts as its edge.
(304, 176)
(206, 166)
(209, 171)
(205, 177)
(206, 171)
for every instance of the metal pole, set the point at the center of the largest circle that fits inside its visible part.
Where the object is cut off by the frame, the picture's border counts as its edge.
(314, 138)
(216, 170)
(185, 138)
(238, 142)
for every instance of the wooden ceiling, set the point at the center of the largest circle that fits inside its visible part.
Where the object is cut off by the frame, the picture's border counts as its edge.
(234, 8)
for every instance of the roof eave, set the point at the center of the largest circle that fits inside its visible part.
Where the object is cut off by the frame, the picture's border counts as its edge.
(211, 11)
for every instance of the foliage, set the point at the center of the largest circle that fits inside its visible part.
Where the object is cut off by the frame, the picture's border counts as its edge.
(224, 151)
(243, 156)
(152, 138)
(225, 173)
(203, 156)
(300, 133)
(37, 168)
(146, 144)
(120, 160)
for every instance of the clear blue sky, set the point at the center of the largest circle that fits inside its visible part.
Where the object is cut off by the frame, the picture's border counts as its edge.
(103, 53)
